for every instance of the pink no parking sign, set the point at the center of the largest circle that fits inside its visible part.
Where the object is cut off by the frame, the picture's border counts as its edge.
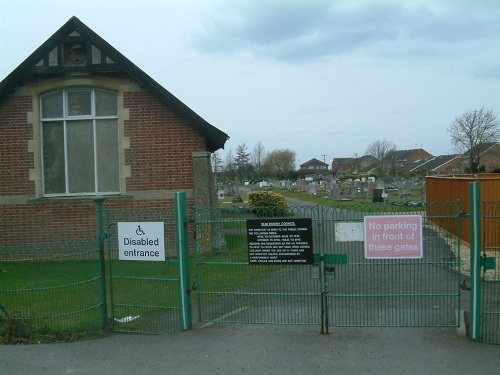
(393, 237)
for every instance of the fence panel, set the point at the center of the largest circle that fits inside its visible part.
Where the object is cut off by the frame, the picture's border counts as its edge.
(490, 278)
(52, 288)
(143, 295)
(230, 289)
(395, 292)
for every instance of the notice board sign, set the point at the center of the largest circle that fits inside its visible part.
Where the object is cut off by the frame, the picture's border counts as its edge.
(144, 241)
(280, 241)
(393, 237)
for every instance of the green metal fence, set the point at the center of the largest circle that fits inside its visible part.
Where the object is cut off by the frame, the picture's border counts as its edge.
(143, 295)
(341, 288)
(51, 288)
(395, 292)
(231, 290)
(490, 275)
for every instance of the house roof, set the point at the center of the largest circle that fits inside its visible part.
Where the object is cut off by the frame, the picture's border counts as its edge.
(403, 154)
(434, 163)
(44, 61)
(481, 148)
(314, 161)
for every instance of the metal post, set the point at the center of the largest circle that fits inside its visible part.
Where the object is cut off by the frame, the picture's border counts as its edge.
(183, 261)
(99, 199)
(475, 264)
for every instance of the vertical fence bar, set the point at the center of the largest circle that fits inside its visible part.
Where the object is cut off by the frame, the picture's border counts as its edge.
(186, 320)
(98, 199)
(475, 266)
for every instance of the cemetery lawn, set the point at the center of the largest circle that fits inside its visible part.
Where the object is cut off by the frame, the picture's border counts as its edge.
(393, 199)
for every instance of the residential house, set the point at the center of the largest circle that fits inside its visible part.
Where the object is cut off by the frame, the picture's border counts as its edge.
(354, 165)
(435, 165)
(489, 156)
(77, 119)
(314, 168)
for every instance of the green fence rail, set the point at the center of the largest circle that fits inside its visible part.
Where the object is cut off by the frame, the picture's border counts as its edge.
(231, 290)
(143, 296)
(341, 288)
(51, 288)
(490, 274)
(395, 292)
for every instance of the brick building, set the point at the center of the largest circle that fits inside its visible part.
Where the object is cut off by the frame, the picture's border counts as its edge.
(77, 119)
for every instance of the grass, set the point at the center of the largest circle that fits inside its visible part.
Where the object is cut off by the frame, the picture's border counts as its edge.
(48, 301)
(360, 203)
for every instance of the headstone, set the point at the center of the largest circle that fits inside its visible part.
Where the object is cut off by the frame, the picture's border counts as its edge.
(403, 191)
(353, 191)
(369, 189)
(229, 190)
(220, 194)
(312, 188)
(300, 184)
(334, 192)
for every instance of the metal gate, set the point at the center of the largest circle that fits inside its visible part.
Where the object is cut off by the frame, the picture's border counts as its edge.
(341, 288)
(148, 296)
(490, 274)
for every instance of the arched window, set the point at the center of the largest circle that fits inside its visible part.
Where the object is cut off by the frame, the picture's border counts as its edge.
(79, 136)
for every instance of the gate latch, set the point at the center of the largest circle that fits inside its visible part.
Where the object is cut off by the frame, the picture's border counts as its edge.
(191, 288)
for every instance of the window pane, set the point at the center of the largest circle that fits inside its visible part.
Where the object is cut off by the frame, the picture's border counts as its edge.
(53, 157)
(105, 103)
(52, 105)
(80, 150)
(108, 176)
(79, 103)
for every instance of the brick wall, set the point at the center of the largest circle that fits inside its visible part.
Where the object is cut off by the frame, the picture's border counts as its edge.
(160, 157)
(15, 132)
(161, 145)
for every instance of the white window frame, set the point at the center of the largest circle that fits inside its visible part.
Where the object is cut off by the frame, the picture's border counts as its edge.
(65, 119)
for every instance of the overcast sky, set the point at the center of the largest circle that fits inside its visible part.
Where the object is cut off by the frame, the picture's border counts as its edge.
(323, 78)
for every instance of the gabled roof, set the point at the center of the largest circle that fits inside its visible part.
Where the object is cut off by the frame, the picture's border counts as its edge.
(102, 58)
(481, 148)
(403, 154)
(314, 161)
(437, 162)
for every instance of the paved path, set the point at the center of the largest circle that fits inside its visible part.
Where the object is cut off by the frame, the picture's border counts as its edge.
(260, 349)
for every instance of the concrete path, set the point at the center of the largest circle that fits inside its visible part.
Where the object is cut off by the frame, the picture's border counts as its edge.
(260, 349)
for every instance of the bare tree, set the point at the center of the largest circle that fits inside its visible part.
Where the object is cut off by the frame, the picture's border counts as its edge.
(471, 132)
(229, 166)
(216, 162)
(380, 150)
(257, 158)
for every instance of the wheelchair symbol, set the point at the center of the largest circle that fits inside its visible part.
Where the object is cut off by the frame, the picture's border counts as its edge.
(139, 231)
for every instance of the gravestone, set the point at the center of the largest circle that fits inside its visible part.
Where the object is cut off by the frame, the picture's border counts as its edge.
(334, 192)
(403, 191)
(379, 191)
(300, 185)
(369, 189)
(312, 188)
(353, 191)
(229, 189)
(422, 193)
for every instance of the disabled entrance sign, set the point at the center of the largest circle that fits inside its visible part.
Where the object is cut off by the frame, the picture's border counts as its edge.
(393, 237)
(143, 241)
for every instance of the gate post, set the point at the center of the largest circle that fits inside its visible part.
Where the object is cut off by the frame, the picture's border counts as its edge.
(183, 260)
(99, 199)
(475, 264)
